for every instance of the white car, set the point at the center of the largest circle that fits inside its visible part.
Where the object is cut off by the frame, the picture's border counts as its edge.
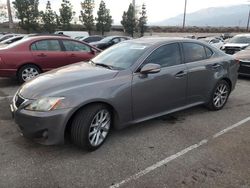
(236, 44)
(73, 34)
(214, 41)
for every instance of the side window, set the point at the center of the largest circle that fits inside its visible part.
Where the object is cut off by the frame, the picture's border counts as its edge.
(122, 39)
(194, 52)
(208, 52)
(215, 41)
(46, 45)
(75, 46)
(167, 55)
(90, 39)
(116, 40)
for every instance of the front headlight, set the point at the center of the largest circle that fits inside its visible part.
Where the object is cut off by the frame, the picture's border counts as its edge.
(46, 104)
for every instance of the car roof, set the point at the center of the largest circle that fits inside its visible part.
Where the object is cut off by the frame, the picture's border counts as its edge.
(41, 37)
(160, 40)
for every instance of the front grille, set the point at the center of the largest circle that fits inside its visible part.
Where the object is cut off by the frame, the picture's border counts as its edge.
(232, 50)
(19, 100)
(244, 67)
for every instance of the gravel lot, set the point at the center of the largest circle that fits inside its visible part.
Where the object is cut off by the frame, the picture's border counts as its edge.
(178, 150)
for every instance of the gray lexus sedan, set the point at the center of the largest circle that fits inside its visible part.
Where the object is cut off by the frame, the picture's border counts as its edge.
(130, 82)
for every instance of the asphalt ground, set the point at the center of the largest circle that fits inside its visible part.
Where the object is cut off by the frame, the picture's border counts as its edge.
(191, 148)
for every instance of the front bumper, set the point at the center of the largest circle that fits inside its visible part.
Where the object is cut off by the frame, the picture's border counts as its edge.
(244, 69)
(43, 127)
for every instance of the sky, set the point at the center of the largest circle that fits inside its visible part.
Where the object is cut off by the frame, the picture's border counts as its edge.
(157, 10)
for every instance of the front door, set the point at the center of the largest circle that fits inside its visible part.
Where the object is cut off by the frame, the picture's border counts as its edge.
(154, 94)
(77, 51)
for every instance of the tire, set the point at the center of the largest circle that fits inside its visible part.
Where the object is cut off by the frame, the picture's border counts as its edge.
(27, 72)
(219, 96)
(86, 131)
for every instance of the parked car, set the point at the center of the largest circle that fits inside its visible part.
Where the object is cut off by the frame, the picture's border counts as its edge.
(236, 44)
(214, 41)
(93, 38)
(27, 58)
(7, 36)
(12, 39)
(226, 36)
(109, 41)
(128, 83)
(244, 59)
(73, 34)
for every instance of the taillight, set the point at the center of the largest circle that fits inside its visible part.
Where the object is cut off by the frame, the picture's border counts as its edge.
(237, 60)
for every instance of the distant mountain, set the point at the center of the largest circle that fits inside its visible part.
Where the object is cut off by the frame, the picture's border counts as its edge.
(216, 16)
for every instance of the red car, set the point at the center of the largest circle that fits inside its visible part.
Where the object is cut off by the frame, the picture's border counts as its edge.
(27, 58)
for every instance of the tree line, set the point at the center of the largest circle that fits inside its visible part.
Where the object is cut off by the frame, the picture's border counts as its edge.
(33, 20)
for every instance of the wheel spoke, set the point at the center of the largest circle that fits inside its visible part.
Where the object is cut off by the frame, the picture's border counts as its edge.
(92, 133)
(94, 125)
(93, 138)
(97, 137)
(102, 137)
(217, 101)
(104, 129)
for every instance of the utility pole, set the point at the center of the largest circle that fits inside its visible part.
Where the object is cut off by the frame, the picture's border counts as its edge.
(11, 25)
(184, 17)
(133, 3)
(248, 18)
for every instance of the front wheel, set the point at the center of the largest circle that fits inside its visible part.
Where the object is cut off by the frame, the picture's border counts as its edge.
(219, 96)
(91, 126)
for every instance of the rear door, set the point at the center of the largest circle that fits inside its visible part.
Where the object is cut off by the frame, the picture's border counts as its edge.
(48, 54)
(77, 51)
(203, 71)
(164, 91)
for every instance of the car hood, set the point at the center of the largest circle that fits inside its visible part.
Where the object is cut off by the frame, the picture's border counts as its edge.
(57, 81)
(241, 45)
(243, 55)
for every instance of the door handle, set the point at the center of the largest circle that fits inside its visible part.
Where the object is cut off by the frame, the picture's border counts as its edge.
(42, 55)
(180, 74)
(216, 66)
(72, 55)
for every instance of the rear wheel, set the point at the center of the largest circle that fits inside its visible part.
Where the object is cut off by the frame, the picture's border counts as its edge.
(219, 96)
(28, 72)
(91, 126)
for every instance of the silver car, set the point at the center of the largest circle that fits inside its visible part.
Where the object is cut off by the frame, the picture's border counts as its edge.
(131, 82)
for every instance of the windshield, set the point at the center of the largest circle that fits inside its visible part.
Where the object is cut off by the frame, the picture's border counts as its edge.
(106, 39)
(240, 39)
(121, 56)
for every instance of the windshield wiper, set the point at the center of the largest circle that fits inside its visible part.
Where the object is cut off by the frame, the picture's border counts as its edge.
(104, 65)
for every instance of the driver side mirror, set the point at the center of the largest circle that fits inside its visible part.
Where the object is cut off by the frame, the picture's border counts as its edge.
(150, 68)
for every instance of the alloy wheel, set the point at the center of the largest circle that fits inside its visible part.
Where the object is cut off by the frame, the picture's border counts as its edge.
(99, 127)
(29, 73)
(220, 95)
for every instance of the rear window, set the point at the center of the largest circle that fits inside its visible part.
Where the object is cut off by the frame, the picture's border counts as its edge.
(194, 52)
